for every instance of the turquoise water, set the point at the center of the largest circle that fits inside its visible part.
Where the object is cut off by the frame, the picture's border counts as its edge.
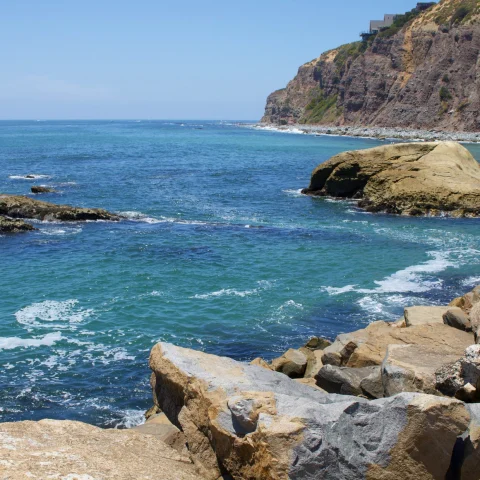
(220, 253)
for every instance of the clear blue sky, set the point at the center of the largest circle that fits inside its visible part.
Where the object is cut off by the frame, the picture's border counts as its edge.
(190, 59)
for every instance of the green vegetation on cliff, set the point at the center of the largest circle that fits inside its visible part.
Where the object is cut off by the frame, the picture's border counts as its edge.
(322, 108)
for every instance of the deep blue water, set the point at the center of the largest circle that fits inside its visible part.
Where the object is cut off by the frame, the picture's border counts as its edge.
(220, 253)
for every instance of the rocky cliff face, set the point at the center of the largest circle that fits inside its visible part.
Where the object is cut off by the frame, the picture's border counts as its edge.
(423, 75)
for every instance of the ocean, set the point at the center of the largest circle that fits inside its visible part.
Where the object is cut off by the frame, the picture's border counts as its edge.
(220, 252)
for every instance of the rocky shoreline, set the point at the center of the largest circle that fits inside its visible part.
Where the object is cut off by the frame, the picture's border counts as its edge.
(381, 133)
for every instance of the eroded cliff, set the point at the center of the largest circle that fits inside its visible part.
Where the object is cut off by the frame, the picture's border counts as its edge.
(425, 74)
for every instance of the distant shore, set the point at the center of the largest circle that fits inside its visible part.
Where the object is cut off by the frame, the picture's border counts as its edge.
(382, 133)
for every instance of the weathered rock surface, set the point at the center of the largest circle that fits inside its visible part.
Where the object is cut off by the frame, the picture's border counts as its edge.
(23, 207)
(368, 346)
(251, 423)
(409, 179)
(67, 450)
(455, 317)
(425, 75)
(9, 225)
(40, 189)
(475, 321)
(424, 315)
(292, 363)
(344, 380)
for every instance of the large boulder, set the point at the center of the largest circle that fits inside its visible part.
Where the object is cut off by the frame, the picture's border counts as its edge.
(24, 207)
(62, 449)
(420, 315)
(475, 321)
(10, 225)
(292, 363)
(368, 346)
(409, 178)
(248, 422)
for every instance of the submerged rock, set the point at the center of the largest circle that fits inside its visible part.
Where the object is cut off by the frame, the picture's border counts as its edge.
(23, 207)
(248, 422)
(9, 225)
(63, 449)
(409, 178)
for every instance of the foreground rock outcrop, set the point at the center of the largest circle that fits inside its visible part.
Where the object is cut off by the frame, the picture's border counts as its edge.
(250, 422)
(10, 225)
(76, 451)
(410, 179)
(423, 74)
(17, 206)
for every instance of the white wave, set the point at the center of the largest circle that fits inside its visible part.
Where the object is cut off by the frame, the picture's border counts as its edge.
(271, 128)
(371, 305)
(294, 192)
(471, 281)
(263, 285)
(131, 418)
(339, 290)
(29, 177)
(50, 311)
(291, 304)
(9, 343)
(61, 231)
(141, 217)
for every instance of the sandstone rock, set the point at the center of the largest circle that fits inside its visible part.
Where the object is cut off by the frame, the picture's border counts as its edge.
(260, 362)
(424, 315)
(455, 317)
(344, 380)
(252, 423)
(409, 178)
(372, 341)
(292, 363)
(318, 343)
(475, 321)
(159, 426)
(152, 411)
(9, 225)
(40, 189)
(314, 364)
(469, 446)
(23, 207)
(412, 368)
(310, 382)
(72, 450)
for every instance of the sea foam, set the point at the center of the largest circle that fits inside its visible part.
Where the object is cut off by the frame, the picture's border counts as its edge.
(9, 343)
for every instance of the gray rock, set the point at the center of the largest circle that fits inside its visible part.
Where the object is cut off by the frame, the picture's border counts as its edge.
(344, 380)
(249, 422)
(372, 385)
(455, 317)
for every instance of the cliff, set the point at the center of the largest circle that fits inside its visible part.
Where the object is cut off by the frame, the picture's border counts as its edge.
(424, 74)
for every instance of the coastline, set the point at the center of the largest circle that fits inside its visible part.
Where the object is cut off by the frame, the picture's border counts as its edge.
(381, 133)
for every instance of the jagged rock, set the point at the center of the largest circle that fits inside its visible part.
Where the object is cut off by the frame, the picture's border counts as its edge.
(408, 178)
(9, 225)
(292, 363)
(344, 380)
(152, 411)
(260, 362)
(310, 382)
(412, 368)
(372, 385)
(371, 342)
(314, 363)
(62, 449)
(424, 315)
(475, 321)
(455, 317)
(23, 207)
(318, 343)
(40, 189)
(159, 426)
(251, 423)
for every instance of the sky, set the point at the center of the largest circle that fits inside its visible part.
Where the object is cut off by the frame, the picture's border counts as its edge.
(156, 59)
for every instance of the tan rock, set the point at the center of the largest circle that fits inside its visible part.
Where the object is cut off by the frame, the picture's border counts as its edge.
(72, 450)
(292, 363)
(260, 362)
(252, 423)
(310, 382)
(475, 321)
(314, 364)
(408, 178)
(424, 315)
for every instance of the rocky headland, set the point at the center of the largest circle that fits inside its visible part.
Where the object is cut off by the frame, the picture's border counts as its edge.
(16, 206)
(420, 73)
(409, 179)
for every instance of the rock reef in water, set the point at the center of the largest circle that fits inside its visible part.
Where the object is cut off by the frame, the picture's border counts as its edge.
(40, 189)
(408, 178)
(10, 225)
(16, 206)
